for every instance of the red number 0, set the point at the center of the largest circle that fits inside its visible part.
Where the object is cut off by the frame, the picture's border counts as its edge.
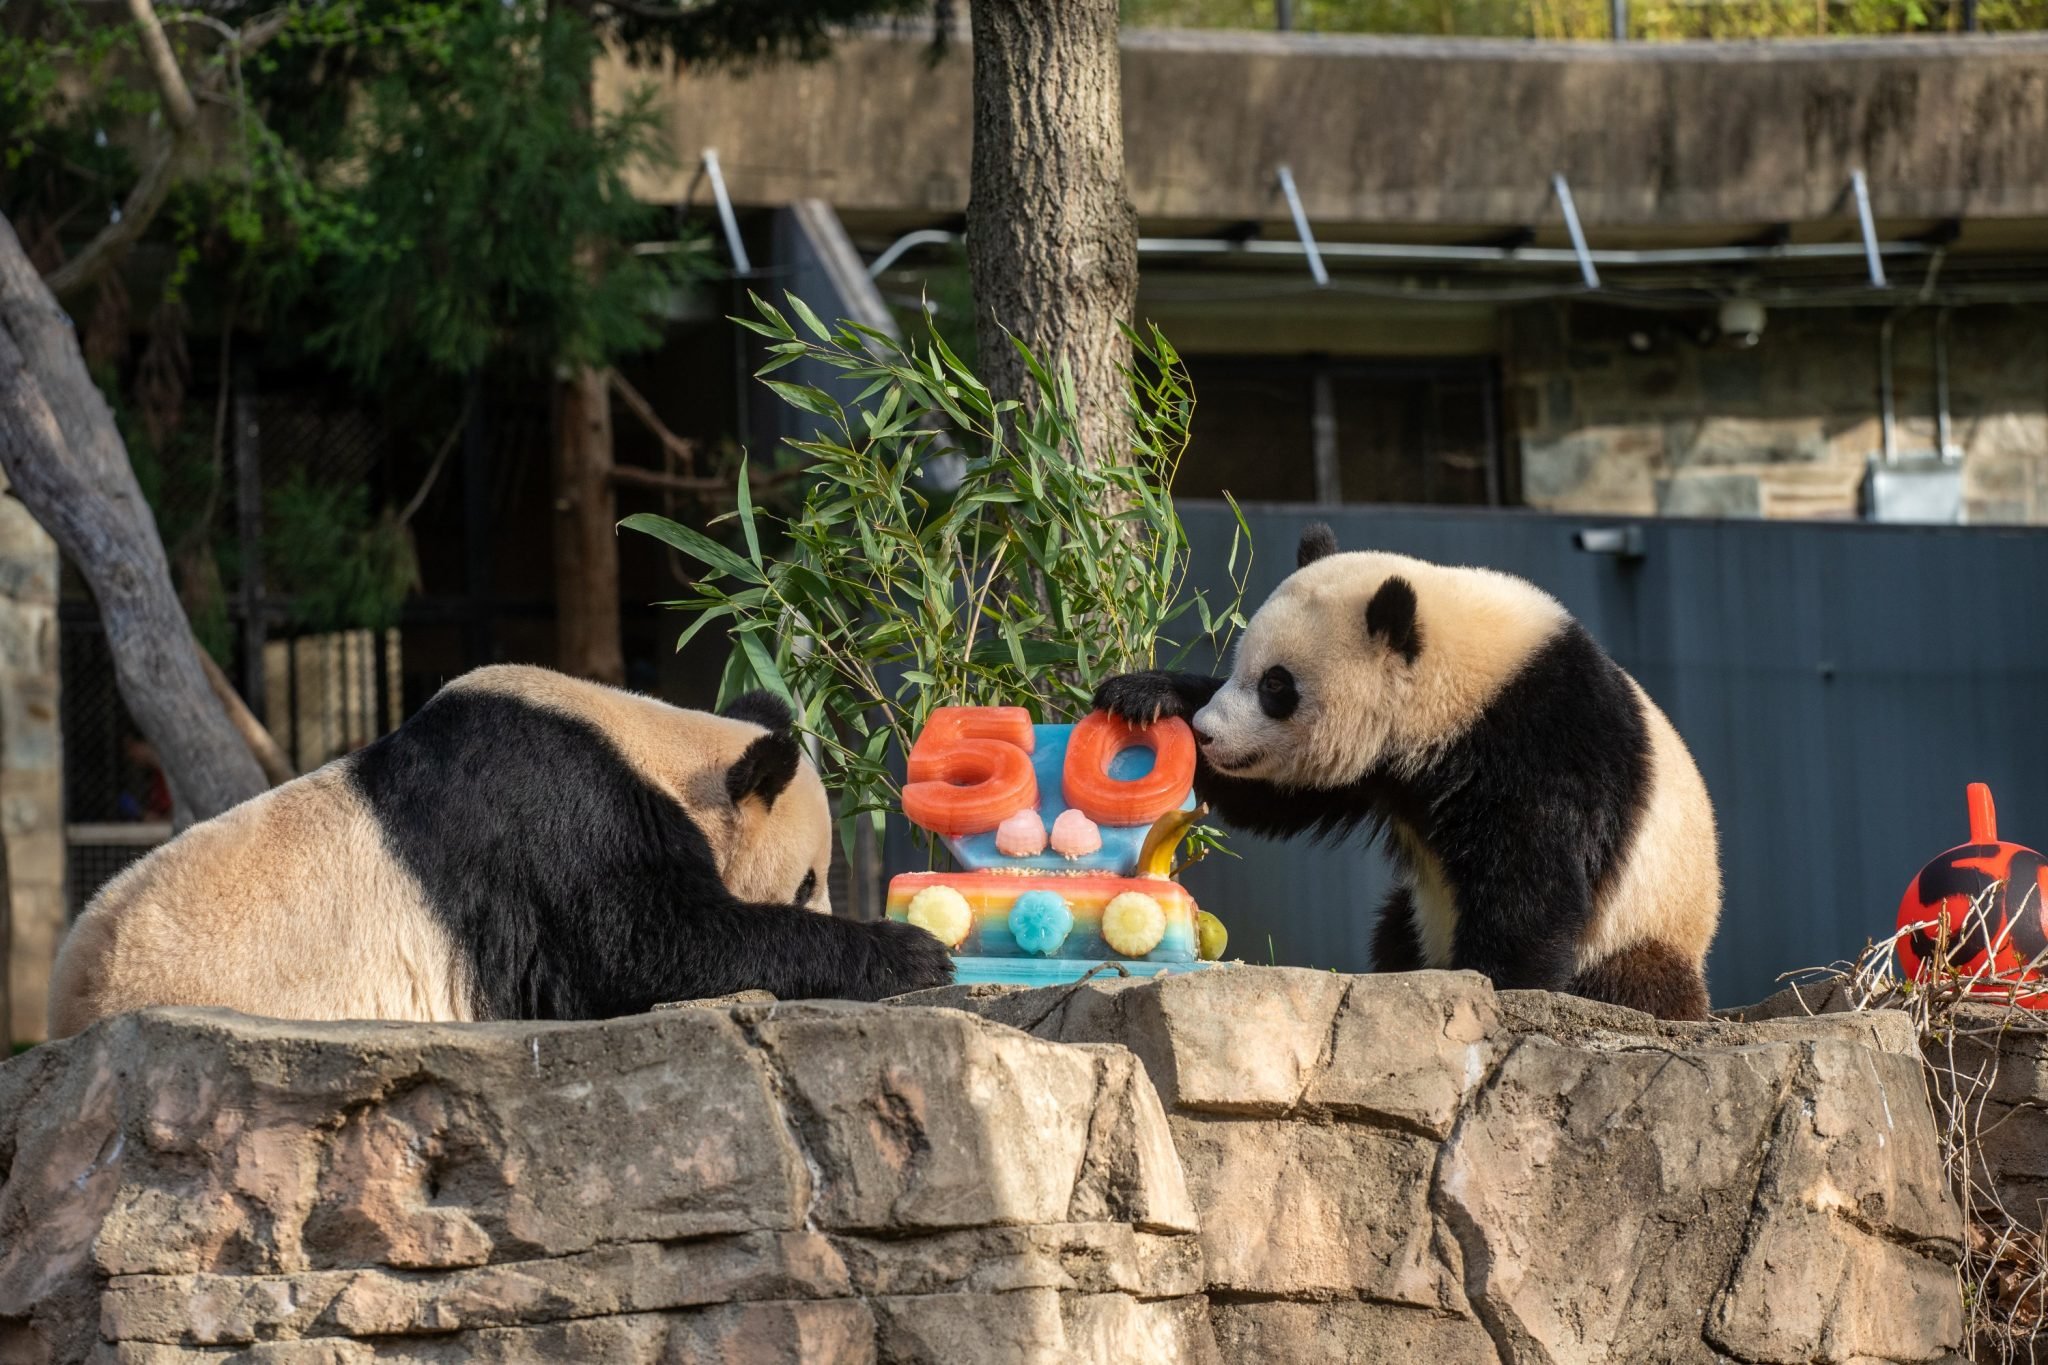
(1100, 737)
(971, 768)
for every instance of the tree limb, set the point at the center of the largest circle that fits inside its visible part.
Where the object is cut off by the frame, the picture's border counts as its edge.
(99, 255)
(64, 458)
(262, 744)
(179, 106)
(181, 110)
(682, 449)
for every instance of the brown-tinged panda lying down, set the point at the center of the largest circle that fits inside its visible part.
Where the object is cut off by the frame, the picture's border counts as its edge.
(528, 846)
(1548, 824)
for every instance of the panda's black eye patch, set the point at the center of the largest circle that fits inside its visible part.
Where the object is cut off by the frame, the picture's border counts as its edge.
(1277, 694)
(803, 892)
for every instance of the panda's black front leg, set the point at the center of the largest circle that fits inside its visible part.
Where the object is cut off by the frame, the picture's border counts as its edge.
(1142, 698)
(1520, 926)
(798, 954)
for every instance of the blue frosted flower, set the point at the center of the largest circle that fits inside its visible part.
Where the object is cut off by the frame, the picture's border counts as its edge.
(1040, 922)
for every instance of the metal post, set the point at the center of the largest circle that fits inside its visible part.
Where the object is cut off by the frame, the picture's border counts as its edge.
(1587, 270)
(1488, 407)
(249, 531)
(1323, 435)
(1861, 188)
(740, 264)
(1308, 239)
(1283, 14)
(1617, 16)
(1969, 16)
(1884, 389)
(1943, 446)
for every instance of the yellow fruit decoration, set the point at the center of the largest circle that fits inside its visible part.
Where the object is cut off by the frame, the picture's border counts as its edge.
(943, 913)
(1133, 923)
(1155, 856)
(1211, 936)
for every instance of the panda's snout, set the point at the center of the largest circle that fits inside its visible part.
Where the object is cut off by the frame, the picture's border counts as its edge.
(1201, 736)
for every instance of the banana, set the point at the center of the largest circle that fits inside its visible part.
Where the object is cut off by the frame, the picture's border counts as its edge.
(1155, 856)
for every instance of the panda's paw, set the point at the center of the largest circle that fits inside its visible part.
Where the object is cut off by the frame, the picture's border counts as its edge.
(906, 958)
(1141, 698)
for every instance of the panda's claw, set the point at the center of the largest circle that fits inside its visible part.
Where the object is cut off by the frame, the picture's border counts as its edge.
(1140, 698)
(906, 958)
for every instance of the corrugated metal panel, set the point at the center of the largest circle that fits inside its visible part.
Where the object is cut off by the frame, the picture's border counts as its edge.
(1838, 684)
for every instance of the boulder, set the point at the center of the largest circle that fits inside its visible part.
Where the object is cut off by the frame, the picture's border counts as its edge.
(751, 1181)
(1415, 1167)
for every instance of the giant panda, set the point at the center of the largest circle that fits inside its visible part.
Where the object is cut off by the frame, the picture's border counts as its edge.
(527, 846)
(1547, 824)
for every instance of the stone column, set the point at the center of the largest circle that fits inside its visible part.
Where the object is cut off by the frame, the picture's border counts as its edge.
(31, 763)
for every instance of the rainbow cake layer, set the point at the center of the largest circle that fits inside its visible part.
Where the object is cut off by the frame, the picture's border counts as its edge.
(991, 895)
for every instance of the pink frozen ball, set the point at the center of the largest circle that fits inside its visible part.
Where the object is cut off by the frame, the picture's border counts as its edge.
(1021, 836)
(1074, 835)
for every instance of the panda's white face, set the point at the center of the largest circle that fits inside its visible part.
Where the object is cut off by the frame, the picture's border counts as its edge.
(1312, 693)
(1364, 660)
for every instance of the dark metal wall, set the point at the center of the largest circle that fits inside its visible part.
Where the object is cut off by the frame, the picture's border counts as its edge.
(1839, 684)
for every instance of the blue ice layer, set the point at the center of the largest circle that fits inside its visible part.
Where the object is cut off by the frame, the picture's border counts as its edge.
(991, 938)
(1054, 971)
(1121, 844)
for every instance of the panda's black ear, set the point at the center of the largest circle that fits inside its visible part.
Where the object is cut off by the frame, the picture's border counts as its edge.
(1390, 616)
(1317, 540)
(764, 769)
(762, 708)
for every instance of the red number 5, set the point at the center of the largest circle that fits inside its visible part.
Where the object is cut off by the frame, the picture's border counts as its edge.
(970, 769)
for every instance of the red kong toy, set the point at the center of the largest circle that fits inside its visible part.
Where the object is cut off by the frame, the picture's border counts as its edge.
(1987, 896)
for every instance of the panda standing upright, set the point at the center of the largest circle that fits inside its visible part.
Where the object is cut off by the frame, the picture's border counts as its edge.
(1550, 829)
(527, 846)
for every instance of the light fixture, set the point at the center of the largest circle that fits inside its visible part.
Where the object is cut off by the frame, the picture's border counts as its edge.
(1741, 322)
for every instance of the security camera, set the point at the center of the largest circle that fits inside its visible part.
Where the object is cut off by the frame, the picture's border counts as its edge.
(1741, 322)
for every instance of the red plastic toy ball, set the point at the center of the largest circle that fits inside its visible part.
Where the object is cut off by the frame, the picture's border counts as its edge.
(1987, 898)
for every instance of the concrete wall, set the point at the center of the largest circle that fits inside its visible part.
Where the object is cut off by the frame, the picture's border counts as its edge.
(1418, 132)
(1630, 412)
(31, 764)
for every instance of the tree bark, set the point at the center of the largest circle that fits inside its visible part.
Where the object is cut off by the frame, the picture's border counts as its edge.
(586, 539)
(66, 462)
(1052, 239)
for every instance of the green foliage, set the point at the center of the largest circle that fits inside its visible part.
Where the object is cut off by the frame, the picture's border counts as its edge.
(1583, 19)
(341, 565)
(1036, 578)
(938, 294)
(465, 207)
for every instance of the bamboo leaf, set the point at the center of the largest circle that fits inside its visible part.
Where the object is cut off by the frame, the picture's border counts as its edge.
(745, 496)
(808, 318)
(704, 618)
(805, 397)
(695, 544)
(763, 665)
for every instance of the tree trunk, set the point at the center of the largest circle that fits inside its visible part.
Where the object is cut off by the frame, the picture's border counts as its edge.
(66, 462)
(1052, 239)
(586, 538)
